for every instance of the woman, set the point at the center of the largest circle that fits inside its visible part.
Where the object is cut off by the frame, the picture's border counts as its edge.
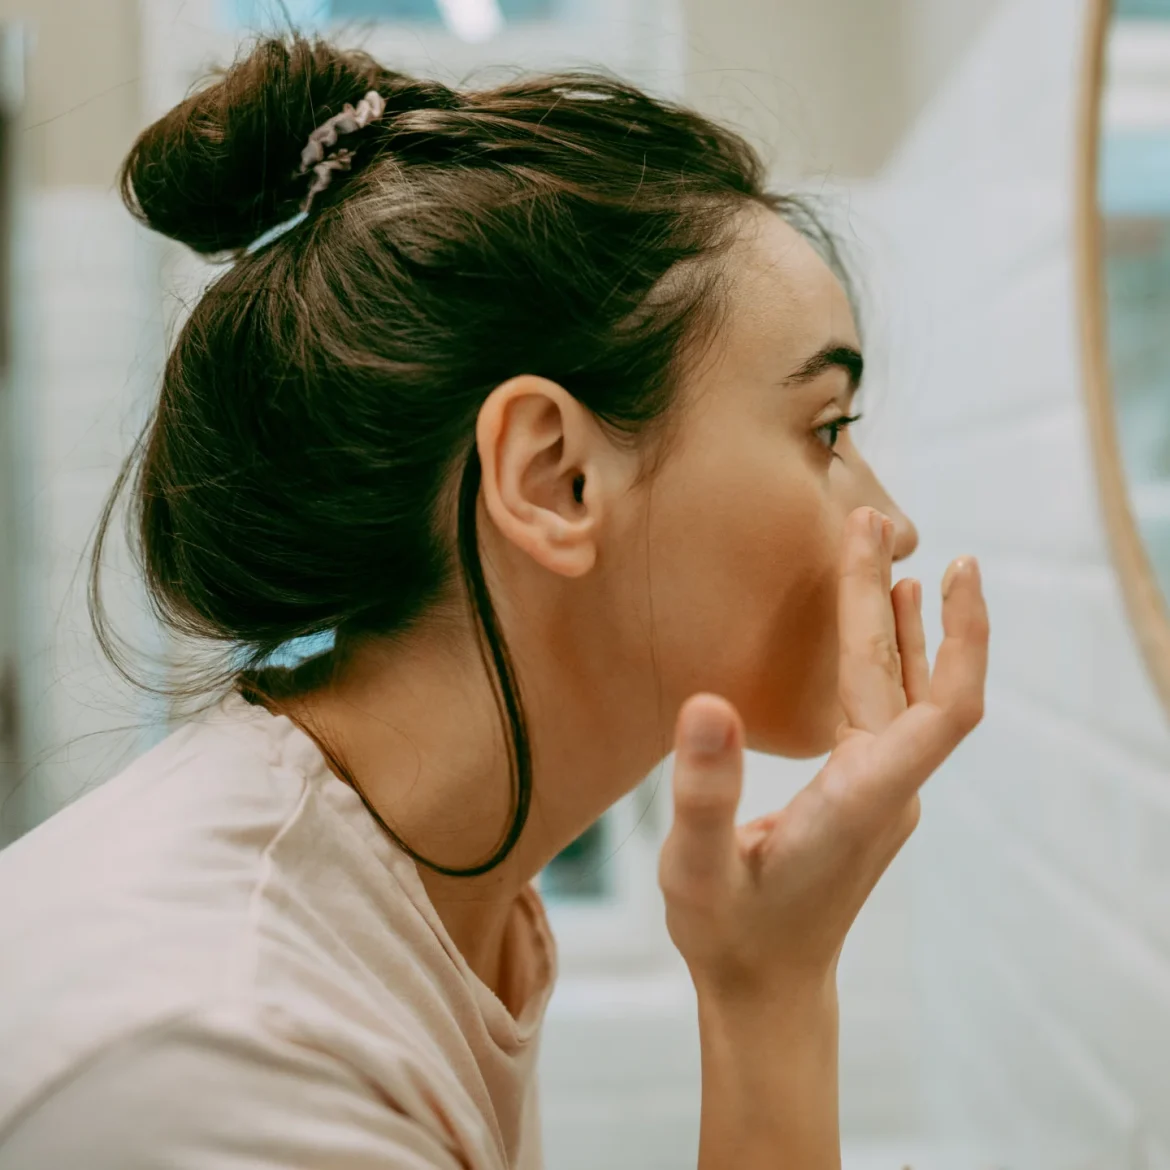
(541, 407)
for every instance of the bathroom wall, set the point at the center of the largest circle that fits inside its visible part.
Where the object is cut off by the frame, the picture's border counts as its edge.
(819, 87)
(1041, 924)
(87, 349)
(825, 88)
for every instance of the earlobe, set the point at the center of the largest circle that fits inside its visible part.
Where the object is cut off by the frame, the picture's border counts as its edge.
(569, 550)
(535, 443)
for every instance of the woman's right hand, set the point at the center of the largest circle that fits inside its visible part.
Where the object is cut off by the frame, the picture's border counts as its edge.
(760, 911)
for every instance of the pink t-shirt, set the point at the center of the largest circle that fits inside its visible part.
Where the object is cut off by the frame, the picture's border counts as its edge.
(218, 961)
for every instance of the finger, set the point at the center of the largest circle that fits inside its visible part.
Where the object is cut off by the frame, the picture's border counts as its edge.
(887, 558)
(707, 782)
(907, 599)
(869, 669)
(901, 760)
(960, 666)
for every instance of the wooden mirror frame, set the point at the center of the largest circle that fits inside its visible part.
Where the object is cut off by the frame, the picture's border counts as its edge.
(1144, 601)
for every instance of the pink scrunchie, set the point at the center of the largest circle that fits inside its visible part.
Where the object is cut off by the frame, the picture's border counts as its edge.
(351, 118)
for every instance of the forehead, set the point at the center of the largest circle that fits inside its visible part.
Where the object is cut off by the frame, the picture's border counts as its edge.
(780, 294)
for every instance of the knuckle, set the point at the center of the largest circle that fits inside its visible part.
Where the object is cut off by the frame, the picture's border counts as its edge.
(864, 568)
(880, 650)
(686, 890)
(704, 809)
(851, 825)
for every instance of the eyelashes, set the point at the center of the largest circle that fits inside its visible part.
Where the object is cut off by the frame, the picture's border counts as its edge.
(834, 428)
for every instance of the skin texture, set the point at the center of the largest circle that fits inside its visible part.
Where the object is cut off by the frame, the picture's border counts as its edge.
(717, 573)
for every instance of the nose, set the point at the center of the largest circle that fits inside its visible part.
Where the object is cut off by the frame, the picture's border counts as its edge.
(905, 534)
(876, 496)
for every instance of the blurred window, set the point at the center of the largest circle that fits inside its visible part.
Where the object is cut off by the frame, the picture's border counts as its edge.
(429, 10)
(468, 19)
(1144, 9)
(580, 869)
(1135, 204)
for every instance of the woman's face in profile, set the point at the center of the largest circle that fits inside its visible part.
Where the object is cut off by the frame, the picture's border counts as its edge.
(740, 529)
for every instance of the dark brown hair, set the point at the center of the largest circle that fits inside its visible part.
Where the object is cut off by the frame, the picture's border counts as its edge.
(312, 449)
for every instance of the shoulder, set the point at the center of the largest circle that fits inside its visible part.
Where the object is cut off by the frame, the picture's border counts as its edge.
(227, 766)
(221, 915)
(138, 900)
(220, 1086)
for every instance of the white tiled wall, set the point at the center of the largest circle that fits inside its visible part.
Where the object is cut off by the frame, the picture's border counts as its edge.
(1041, 929)
(91, 352)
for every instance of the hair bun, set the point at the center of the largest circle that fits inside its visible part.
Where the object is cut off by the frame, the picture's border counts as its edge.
(221, 168)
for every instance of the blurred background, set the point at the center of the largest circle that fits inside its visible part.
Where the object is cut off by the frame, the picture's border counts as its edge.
(1006, 994)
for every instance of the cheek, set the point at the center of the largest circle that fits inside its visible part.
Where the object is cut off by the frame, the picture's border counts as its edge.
(788, 676)
(784, 665)
(743, 573)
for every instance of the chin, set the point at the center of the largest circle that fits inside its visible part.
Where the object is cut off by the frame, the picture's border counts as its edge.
(803, 747)
(802, 740)
(801, 735)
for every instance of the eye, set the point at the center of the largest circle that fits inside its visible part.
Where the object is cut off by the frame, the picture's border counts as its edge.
(828, 433)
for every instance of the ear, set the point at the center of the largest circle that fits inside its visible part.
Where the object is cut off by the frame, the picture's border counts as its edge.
(542, 456)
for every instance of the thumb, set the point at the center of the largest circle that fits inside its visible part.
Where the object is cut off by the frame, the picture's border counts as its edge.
(707, 782)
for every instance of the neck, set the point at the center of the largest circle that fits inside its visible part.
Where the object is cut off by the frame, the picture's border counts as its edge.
(417, 727)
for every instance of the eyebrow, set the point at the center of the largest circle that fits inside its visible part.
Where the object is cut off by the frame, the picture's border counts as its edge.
(833, 357)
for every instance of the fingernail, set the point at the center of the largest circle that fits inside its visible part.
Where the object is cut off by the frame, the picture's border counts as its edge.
(877, 526)
(888, 537)
(706, 732)
(953, 570)
(918, 595)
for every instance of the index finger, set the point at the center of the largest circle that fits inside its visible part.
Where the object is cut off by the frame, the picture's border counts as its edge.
(869, 677)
